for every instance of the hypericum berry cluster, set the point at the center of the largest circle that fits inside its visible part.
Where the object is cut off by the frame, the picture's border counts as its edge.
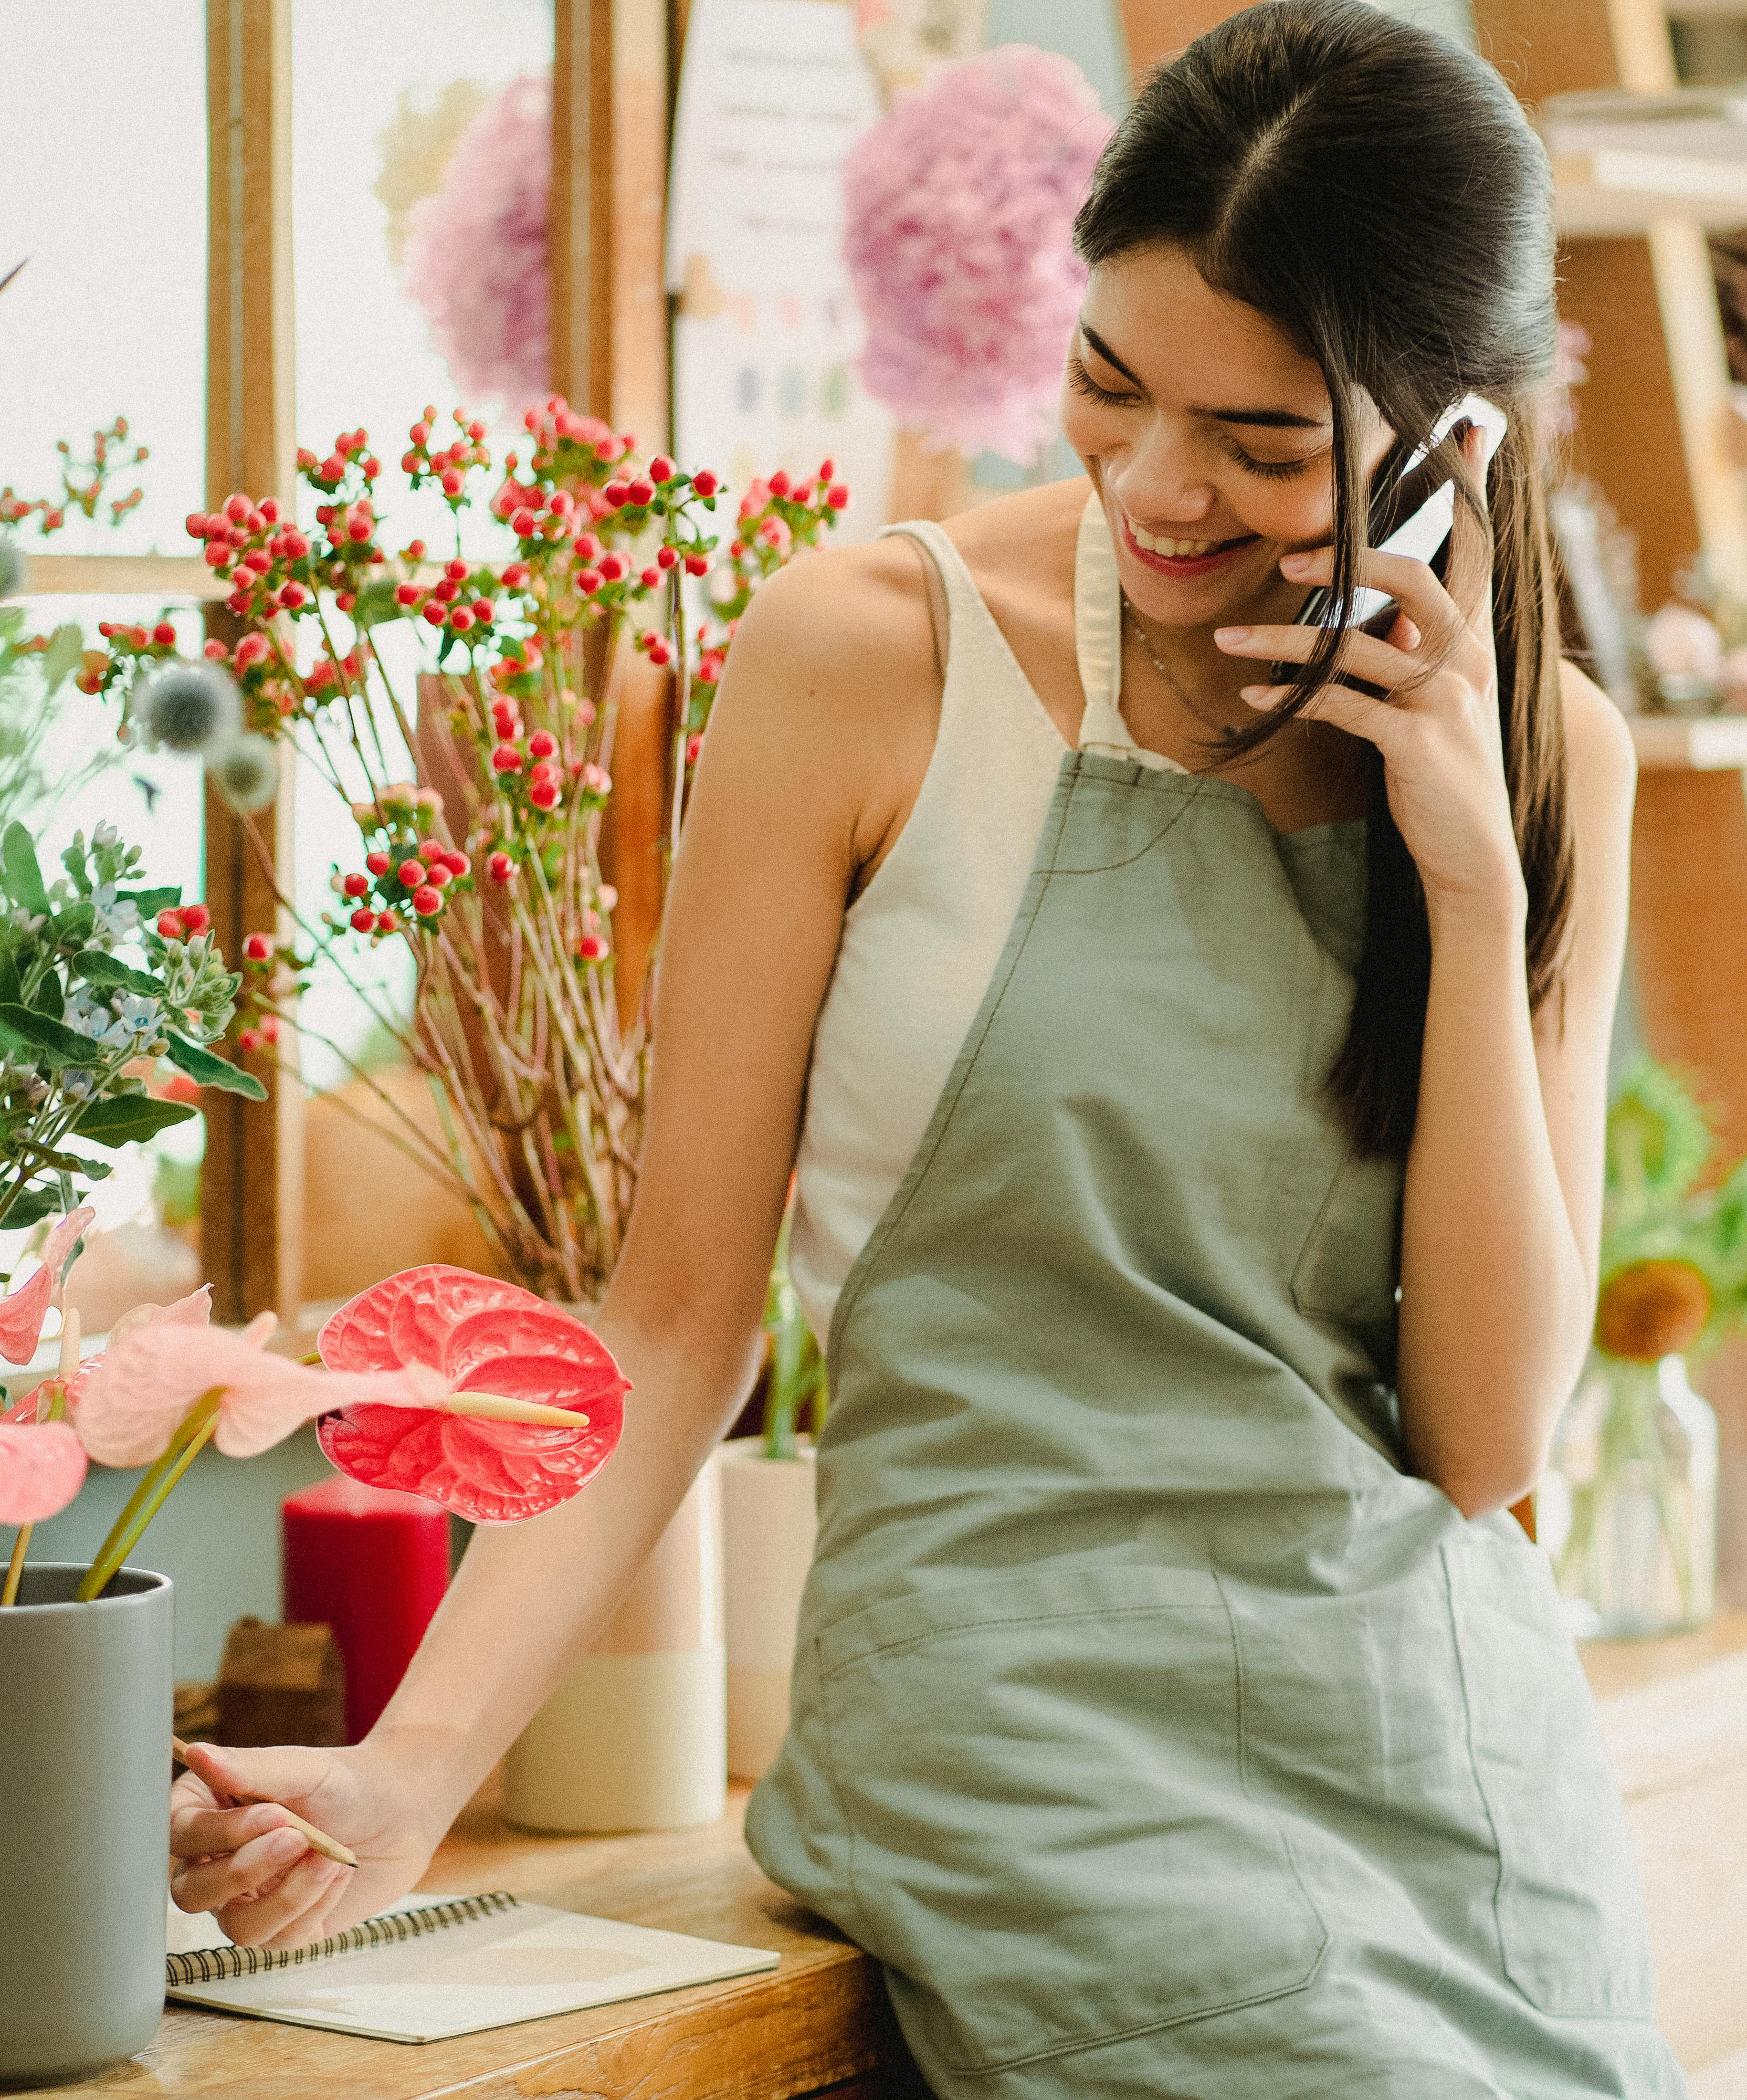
(184, 923)
(777, 514)
(410, 878)
(253, 546)
(463, 598)
(129, 647)
(449, 465)
(83, 495)
(533, 768)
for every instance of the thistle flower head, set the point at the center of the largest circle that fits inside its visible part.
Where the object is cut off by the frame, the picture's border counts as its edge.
(248, 771)
(190, 707)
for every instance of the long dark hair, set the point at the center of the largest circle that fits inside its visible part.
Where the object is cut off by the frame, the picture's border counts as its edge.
(1375, 191)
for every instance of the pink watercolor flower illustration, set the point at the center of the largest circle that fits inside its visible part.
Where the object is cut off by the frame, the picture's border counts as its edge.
(23, 1310)
(476, 250)
(476, 1335)
(41, 1469)
(959, 214)
(140, 1392)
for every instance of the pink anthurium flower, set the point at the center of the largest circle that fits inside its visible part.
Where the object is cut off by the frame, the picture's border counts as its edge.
(193, 1311)
(479, 1335)
(142, 1387)
(23, 1310)
(41, 1469)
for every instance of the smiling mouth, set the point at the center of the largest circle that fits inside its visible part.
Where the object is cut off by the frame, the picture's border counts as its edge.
(1173, 549)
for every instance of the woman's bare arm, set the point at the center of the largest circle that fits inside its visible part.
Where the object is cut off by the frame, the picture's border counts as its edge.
(821, 733)
(1503, 1204)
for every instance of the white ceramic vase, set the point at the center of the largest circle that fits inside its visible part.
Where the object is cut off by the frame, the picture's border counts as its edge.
(633, 1738)
(769, 1525)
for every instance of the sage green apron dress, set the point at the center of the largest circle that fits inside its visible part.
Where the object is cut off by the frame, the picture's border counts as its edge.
(1157, 1731)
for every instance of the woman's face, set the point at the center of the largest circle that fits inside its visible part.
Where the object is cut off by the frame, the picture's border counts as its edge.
(1208, 436)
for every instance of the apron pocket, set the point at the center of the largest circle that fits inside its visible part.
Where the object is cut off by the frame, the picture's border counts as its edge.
(1051, 1844)
(1571, 1923)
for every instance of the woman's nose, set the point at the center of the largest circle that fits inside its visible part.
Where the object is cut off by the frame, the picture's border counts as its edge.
(1162, 481)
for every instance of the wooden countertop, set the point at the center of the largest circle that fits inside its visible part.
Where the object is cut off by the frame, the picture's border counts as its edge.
(818, 2022)
(1675, 1717)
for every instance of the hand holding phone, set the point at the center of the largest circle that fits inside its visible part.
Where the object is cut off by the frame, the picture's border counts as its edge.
(1413, 509)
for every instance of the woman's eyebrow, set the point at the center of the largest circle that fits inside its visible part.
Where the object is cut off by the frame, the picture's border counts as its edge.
(1267, 419)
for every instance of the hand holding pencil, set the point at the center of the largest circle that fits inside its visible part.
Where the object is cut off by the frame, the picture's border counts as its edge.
(286, 1845)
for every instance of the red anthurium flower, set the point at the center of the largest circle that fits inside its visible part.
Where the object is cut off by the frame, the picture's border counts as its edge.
(478, 1335)
(41, 1469)
(23, 1312)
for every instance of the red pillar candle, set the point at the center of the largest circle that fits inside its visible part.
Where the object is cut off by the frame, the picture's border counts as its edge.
(374, 1564)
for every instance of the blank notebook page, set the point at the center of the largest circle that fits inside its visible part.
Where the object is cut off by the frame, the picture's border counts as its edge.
(523, 1963)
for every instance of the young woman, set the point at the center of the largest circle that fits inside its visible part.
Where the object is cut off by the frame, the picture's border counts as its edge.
(1176, 1711)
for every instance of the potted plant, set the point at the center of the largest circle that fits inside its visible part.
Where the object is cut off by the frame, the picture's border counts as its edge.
(84, 1653)
(768, 1527)
(1628, 1509)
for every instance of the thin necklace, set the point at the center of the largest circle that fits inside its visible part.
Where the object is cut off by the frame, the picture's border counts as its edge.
(1220, 730)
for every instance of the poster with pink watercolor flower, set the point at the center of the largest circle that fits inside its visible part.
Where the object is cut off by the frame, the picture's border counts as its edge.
(773, 94)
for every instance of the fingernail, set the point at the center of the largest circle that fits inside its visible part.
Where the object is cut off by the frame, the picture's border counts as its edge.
(1258, 696)
(1229, 638)
(287, 1844)
(1294, 565)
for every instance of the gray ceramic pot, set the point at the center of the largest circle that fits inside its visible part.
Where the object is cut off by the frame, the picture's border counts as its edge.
(85, 1723)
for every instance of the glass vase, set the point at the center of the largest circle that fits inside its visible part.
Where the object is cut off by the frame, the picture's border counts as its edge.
(1628, 1509)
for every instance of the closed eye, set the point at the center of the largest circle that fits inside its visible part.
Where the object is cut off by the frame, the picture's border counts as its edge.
(1082, 382)
(1268, 469)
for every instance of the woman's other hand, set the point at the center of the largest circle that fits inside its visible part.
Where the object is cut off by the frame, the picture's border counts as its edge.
(240, 1858)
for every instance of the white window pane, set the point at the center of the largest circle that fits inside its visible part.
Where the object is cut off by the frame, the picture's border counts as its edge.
(106, 146)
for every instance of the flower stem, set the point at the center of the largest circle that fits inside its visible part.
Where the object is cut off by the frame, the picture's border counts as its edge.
(14, 1573)
(149, 1497)
(50, 1407)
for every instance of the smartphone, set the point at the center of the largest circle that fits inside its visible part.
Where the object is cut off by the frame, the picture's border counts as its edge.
(1413, 509)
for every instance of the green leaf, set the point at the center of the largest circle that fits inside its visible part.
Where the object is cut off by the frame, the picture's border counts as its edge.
(55, 1044)
(71, 1162)
(61, 658)
(129, 1119)
(23, 878)
(33, 1204)
(149, 902)
(207, 1070)
(98, 969)
(48, 998)
(11, 990)
(377, 604)
(77, 923)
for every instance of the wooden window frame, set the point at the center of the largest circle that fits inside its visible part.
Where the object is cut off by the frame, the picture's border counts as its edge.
(612, 102)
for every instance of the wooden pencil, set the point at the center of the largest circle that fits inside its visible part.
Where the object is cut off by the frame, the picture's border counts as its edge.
(330, 1848)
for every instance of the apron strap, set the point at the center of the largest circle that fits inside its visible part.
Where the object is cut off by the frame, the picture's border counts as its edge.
(1098, 646)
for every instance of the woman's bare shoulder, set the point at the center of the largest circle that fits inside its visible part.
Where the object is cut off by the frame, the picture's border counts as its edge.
(1601, 763)
(857, 617)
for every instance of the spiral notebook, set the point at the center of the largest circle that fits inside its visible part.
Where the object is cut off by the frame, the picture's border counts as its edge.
(435, 1966)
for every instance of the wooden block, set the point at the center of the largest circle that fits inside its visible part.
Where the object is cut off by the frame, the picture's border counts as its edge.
(195, 1712)
(281, 1684)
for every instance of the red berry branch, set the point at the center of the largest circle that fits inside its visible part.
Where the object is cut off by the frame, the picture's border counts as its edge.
(479, 799)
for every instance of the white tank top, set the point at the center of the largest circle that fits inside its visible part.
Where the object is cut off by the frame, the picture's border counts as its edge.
(921, 942)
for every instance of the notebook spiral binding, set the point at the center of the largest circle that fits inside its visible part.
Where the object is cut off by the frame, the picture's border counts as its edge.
(214, 1965)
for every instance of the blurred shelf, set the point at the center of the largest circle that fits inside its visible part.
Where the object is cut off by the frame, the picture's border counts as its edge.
(120, 576)
(1624, 192)
(1697, 744)
(1620, 160)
